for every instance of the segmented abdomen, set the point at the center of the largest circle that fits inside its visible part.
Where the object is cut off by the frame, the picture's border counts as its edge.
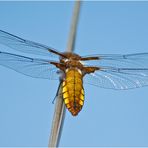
(73, 92)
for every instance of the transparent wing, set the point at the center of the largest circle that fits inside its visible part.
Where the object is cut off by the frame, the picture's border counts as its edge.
(25, 46)
(33, 67)
(120, 71)
(120, 61)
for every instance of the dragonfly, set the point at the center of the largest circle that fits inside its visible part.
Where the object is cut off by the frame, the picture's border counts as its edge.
(112, 71)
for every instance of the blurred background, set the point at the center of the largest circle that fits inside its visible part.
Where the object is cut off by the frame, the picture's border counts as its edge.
(109, 117)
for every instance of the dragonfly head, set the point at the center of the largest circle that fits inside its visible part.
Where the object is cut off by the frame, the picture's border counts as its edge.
(70, 56)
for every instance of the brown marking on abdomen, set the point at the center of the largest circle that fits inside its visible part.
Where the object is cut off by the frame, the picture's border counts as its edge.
(73, 91)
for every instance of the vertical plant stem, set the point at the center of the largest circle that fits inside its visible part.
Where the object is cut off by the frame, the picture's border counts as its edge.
(73, 29)
(59, 113)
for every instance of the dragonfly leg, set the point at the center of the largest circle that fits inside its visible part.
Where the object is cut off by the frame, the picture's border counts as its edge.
(57, 93)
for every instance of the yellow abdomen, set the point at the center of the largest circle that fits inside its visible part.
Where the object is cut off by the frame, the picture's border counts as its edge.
(73, 92)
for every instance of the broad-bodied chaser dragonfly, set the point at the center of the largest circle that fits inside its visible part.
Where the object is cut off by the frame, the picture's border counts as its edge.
(112, 71)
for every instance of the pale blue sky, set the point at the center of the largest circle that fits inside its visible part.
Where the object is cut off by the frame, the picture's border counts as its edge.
(109, 117)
